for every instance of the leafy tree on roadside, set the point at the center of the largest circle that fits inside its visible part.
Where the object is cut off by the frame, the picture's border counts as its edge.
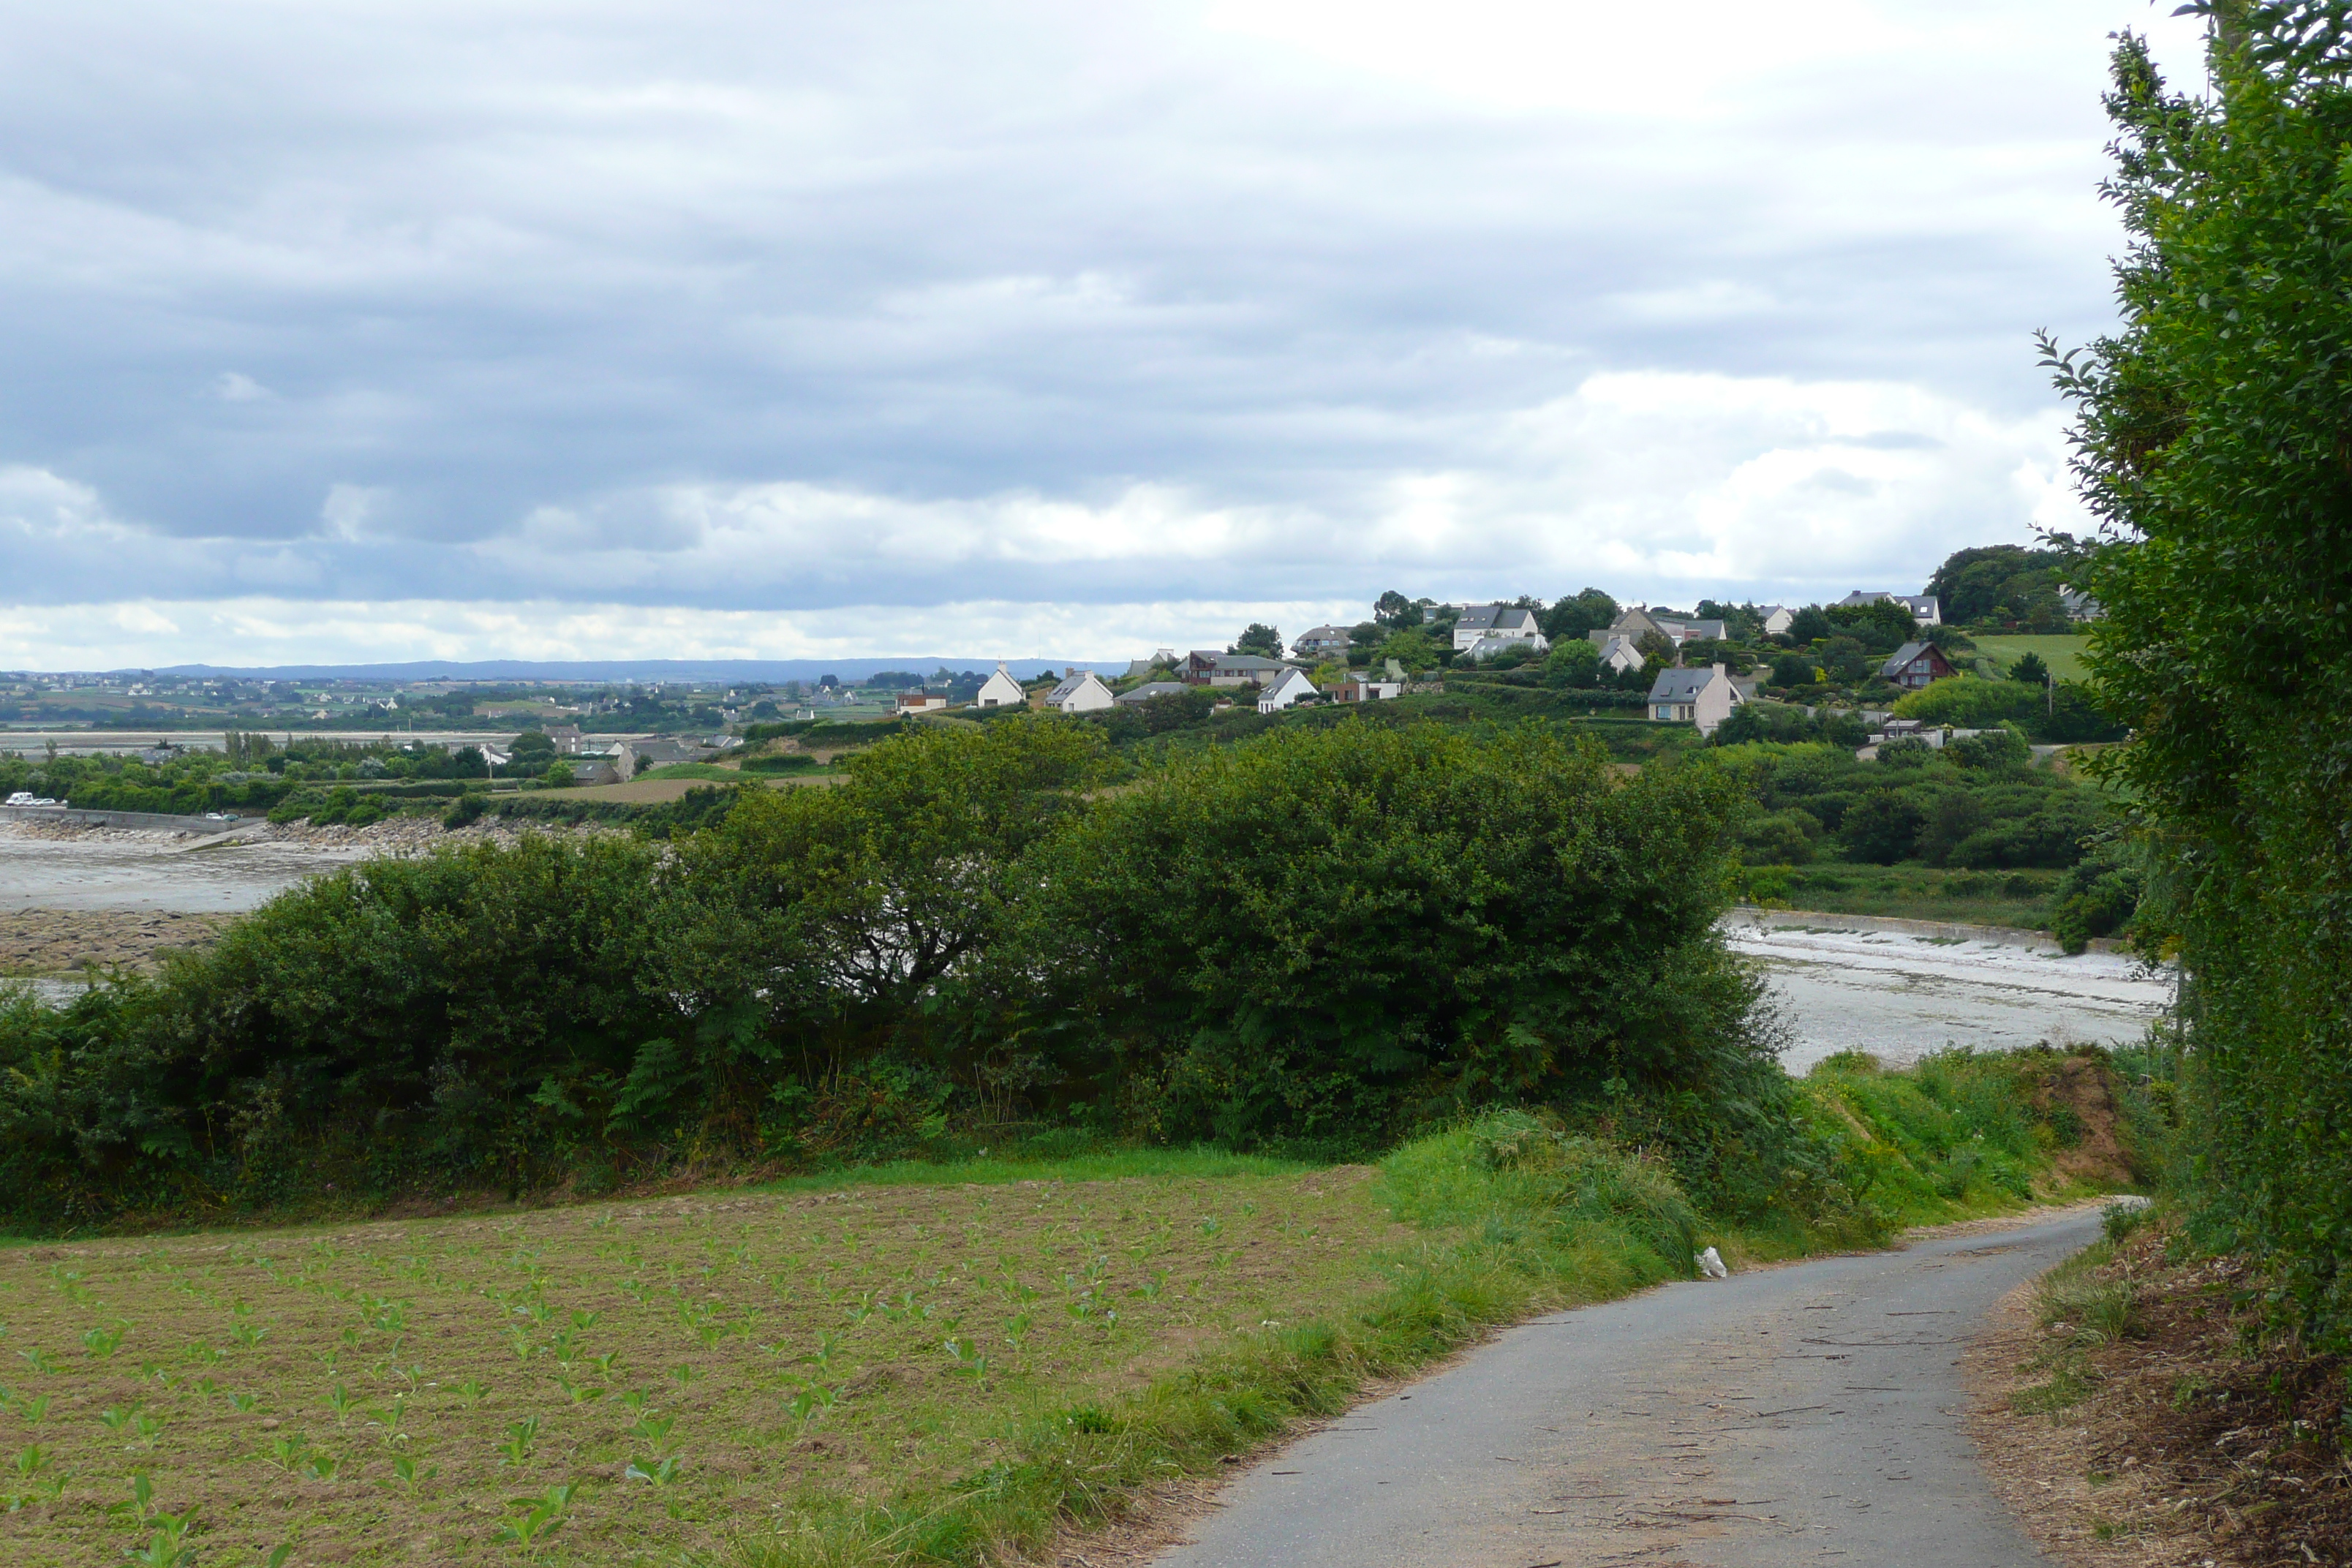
(2211, 444)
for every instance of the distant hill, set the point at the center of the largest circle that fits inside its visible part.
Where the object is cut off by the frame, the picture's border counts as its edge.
(621, 670)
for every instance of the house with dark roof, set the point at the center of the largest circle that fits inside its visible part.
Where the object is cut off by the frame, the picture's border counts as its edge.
(1150, 690)
(1914, 665)
(1210, 668)
(1499, 625)
(1323, 642)
(1703, 696)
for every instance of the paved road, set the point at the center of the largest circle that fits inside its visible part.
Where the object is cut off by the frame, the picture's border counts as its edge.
(1801, 1415)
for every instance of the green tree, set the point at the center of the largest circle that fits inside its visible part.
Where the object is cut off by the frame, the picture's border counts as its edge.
(1589, 610)
(1576, 664)
(2210, 444)
(1810, 626)
(1264, 641)
(1394, 612)
(2029, 668)
(1415, 649)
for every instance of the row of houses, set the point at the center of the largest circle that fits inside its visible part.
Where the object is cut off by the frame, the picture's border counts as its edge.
(1704, 696)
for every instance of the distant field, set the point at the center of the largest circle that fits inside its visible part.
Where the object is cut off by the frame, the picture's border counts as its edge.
(2019, 898)
(2064, 655)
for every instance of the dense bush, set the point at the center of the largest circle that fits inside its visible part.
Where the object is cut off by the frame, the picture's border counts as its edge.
(1322, 937)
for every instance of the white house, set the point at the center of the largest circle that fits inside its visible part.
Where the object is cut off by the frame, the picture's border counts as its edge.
(1509, 622)
(1777, 619)
(1001, 690)
(1493, 643)
(1701, 697)
(1619, 654)
(1081, 691)
(1289, 687)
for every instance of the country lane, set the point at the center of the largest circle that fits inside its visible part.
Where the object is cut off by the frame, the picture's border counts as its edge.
(1805, 1414)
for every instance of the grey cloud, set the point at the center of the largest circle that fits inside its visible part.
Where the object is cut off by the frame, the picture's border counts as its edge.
(526, 287)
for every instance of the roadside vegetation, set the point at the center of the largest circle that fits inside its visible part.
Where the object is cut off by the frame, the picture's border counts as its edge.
(905, 1364)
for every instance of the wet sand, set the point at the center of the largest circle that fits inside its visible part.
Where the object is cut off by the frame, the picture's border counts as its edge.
(1901, 996)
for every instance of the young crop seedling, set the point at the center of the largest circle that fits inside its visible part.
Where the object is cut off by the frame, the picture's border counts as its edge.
(540, 1518)
(286, 1452)
(660, 1472)
(102, 1343)
(406, 1476)
(520, 1437)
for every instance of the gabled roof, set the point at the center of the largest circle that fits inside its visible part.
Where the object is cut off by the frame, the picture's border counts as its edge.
(1287, 681)
(1073, 682)
(1684, 684)
(1508, 618)
(1325, 633)
(1145, 693)
(1904, 656)
(1248, 663)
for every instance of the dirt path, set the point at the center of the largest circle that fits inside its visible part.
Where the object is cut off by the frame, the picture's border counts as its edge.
(1803, 1415)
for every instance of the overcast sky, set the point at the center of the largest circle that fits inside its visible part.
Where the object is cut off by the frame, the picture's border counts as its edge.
(615, 328)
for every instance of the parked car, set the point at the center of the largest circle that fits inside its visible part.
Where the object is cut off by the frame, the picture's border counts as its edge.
(27, 797)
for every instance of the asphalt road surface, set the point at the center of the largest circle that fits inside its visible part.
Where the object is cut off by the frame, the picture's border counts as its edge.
(1808, 1414)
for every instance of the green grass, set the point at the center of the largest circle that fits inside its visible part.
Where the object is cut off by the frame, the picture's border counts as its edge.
(2022, 900)
(711, 771)
(2063, 654)
(919, 1362)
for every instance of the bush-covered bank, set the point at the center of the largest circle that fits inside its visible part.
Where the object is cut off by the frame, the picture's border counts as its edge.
(2211, 446)
(1319, 939)
(1320, 942)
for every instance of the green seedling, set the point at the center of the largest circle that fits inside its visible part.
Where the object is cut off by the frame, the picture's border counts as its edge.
(320, 1466)
(654, 1429)
(34, 1409)
(287, 1452)
(405, 1476)
(661, 1472)
(475, 1390)
(1151, 1289)
(686, 1373)
(576, 1392)
(38, 1359)
(586, 1321)
(565, 1348)
(605, 1364)
(635, 1400)
(521, 1436)
(540, 1517)
(520, 1340)
(102, 1343)
(115, 1417)
(967, 1360)
(142, 1501)
(813, 1400)
(243, 1403)
(246, 1335)
(148, 1428)
(340, 1401)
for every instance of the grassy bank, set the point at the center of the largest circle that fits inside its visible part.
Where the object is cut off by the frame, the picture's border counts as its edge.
(2025, 899)
(911, 1362)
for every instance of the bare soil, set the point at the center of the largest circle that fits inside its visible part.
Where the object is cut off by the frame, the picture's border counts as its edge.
(2199, 1438)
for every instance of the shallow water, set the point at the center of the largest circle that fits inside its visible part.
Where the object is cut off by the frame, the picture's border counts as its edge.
(1899, 997)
